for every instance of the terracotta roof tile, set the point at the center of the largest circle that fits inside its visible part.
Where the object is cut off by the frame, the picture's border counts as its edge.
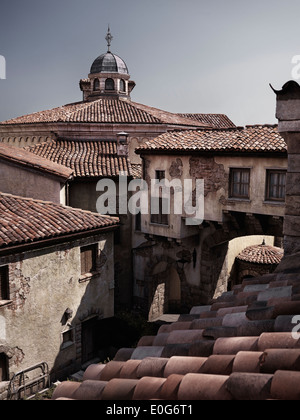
(261, 254)
(239, 364)
(106, 111)
(214, 120)
(251, 139)
(25, 220)
(87, 158)
(27, 159)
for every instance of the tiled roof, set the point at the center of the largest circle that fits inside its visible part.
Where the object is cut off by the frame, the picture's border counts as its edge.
(87, 158)
(136, 171)
(240, 347)
(261, 254)
(214, 120)
(106, 111)
(25, 158)
(250, 139)
(24, 221)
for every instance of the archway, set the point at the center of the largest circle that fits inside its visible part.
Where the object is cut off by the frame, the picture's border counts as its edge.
(164, 289)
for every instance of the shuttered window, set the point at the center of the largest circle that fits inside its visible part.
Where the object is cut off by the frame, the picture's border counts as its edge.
(4, 289)
(88, 258)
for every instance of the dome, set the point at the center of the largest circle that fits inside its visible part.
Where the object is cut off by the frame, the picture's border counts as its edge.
(261, 254)
(109, 63)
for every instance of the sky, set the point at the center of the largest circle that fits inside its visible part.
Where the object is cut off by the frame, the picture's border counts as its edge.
(190, 56)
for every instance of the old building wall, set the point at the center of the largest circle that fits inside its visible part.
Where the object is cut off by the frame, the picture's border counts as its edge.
(43, 285)
(83, 195)
(29, 183)
(215, 170)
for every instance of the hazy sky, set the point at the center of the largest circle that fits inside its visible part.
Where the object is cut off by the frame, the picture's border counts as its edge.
(215, 56)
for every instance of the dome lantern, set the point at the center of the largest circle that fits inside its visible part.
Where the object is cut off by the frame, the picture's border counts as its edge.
(108, 76)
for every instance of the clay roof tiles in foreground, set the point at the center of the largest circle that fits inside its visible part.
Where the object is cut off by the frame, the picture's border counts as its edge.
(106, 111)
(25, 220)
(251, 139)
(241, 347)
(87, 158)
(25, 158)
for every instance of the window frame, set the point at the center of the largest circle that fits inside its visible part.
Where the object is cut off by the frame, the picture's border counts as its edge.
(4, 368)
(232, 194)
(4, 284)
(160, 219)
(84, 264)
(278, 186)
(113, 85)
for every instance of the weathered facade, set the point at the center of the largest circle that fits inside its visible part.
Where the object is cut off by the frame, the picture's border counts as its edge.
(240, 169)
(24, 174)
(57, 282)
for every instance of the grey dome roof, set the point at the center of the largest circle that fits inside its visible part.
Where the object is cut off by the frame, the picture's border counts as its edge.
(109, 63)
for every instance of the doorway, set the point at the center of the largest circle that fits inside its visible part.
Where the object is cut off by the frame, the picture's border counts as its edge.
(89, 339)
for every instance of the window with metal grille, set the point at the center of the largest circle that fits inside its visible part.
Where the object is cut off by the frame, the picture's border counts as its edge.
(276, 185)
(240, 183)
(4, 284)
(88, 258)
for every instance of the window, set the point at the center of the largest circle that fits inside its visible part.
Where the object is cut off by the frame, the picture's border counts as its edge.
(109, 84)
(4, 283)
(276, 185)
(96, 84)
(138, 222)
(122, 86)
(67, 338)
(239, 183)
(88, 258)
(3, 367)
(160, 218)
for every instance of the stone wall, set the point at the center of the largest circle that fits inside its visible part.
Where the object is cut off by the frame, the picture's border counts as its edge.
(43, 285)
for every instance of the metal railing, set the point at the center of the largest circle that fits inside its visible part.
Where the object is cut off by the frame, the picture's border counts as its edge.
(25, 384)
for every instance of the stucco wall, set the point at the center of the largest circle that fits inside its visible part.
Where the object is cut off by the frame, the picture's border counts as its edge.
(43, 284)
(29, 183)
(215, 172)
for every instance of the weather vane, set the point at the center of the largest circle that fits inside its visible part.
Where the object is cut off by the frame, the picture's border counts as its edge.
(109, 38)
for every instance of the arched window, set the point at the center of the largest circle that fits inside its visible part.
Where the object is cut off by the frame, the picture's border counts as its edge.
(122, 85)
(3, 367)
(96, 84)
(109, 84)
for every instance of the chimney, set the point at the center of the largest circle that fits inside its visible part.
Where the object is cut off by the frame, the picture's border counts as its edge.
(122, 144)
(288, 115)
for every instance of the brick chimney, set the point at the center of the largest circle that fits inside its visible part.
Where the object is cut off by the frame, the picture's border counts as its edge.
(288, 115)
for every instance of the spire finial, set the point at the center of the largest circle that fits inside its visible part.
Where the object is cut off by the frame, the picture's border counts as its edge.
(109, 38)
